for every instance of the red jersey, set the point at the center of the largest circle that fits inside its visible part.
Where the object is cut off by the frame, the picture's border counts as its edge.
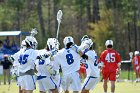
(136, 61)
(110, 58)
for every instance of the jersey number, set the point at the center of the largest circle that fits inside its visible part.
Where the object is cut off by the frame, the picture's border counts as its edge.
(95, 63)
(110, 57)
(23, 59)
(41, 62)
(69, 58)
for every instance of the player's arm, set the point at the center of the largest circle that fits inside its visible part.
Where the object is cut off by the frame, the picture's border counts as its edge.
(44, 56)
(118, 57)
(101, 60)
(84, 47)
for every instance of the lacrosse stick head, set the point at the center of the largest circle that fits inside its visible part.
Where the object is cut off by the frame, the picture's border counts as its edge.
(59, 16)
(34, 32)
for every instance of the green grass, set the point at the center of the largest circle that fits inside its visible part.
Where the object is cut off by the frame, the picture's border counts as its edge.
(126, 74)
(121, 87)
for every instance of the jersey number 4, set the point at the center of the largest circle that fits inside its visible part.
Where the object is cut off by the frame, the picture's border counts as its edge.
(23, 59)
(110, 57)
(69, 58)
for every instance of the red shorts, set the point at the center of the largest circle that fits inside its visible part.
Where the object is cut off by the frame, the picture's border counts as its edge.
(82, 69)
(111, 75)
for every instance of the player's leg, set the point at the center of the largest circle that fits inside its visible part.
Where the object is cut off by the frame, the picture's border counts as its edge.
(85, 84)
(112, 78)
(66, 91)
(54, 91)
(89, 84)
(85, 91)
(42, 92)
(75, 92)
(8, 76)
(29, 91)
(57, 80)
(23, 91)
(65, 83)
(105, 75)
(112, 86)
(4, 76)
(75, 84)
(20, 90)
(137, 76)
(105, 86)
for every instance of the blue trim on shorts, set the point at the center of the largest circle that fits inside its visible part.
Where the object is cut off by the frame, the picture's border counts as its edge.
(53, 83)
(88, 81)
(41, 77)
(34, 81)
(92, 77)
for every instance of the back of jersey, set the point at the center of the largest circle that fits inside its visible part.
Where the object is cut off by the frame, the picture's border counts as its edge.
(27, 59)
(92, 65)
(69, 60)
(41, 64)
(110, 58)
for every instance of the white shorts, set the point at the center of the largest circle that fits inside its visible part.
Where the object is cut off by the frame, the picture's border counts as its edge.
(18, 81)
(46, 84)
(27, 82)
(90, 83)
(57, 79)
(71, 82)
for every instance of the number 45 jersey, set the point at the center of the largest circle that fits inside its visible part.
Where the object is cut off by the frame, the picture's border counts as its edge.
(27, 60)
(110, 58)
(68, 59)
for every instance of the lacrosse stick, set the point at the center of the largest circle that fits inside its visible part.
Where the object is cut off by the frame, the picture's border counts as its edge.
(33, 32)
(59, 17)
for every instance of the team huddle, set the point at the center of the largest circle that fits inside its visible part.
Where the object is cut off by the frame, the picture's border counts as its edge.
(31, 65)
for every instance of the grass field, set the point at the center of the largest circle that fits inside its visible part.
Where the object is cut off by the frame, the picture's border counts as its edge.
(121, 87)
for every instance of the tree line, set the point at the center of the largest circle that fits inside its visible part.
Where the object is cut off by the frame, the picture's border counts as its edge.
(118, 20)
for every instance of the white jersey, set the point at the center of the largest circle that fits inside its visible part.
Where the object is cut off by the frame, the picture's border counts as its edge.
(16, 56)
(16, 64)
(41, 64)
(68, 59)
(27, 59)
(92, 66)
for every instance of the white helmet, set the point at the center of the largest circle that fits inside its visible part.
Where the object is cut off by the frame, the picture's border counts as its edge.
(136, 52)
(67, 40)
(53, 43)
(23, 44)
(31, 41)
(85, 37)
(108, 42)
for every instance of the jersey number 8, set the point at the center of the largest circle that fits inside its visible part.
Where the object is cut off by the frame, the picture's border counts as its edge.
(69, 58)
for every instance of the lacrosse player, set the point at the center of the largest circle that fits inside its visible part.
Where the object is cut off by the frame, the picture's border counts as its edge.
(111, 61)
(15, 68)
(45, 69)
(26, 68)
(69, 60)
(136, 65)
(92, 70)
